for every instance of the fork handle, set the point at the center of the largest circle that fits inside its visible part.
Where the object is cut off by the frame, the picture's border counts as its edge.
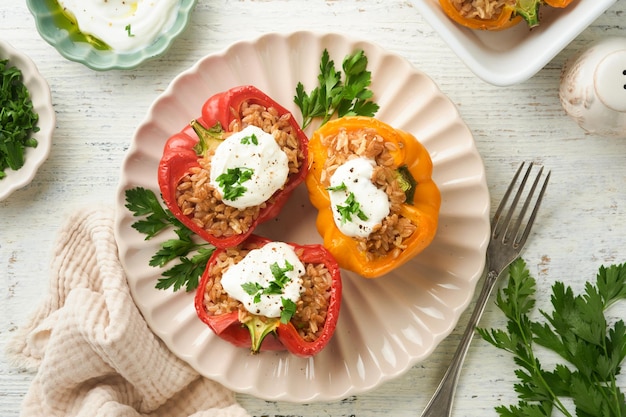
(440, 405)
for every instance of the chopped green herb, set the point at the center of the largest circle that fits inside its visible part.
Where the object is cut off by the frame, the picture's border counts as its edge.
(280, 278)
(127, 28)
(340, 187)
(350, 97)
(351, 208)
(253, 288)
(18, 119)
(289, 309)
(247, 140)
(186, 273)
(578, 331)
(275, 287)
(231, 182)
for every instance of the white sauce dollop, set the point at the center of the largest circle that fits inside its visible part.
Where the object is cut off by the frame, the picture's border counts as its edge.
(255, 267)
(356, 175)
(268, 163)
(124, 25)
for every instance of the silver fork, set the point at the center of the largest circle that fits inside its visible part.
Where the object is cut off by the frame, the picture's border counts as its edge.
(507, 240)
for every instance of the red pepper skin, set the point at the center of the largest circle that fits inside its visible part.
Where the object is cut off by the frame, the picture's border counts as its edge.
(179, 157)
(229, 328)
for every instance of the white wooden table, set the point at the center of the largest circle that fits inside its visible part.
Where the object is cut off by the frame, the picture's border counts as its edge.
(581, 224)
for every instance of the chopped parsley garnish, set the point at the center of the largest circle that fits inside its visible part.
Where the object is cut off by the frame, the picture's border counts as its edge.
(351, 208)
(247, 140)
(289, 309)
(350, 97)
(231, 182)
(275, 287)
(186, 273)
(340, 187)
(18, 119)
(127, 28)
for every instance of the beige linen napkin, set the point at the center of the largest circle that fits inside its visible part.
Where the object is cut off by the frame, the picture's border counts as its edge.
(92, 351)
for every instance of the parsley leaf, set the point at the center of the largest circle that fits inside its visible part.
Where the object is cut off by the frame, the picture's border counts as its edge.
(231, 182)
(155, 219)
(18, 119)
(340, 187)
(252, 139)
(578, 331)
(351, 207)
(289, 309)
(333, 96)
(275, 287)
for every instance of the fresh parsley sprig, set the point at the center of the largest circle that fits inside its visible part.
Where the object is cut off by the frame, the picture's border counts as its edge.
(350, 97)
(155, 219)
(578, 331)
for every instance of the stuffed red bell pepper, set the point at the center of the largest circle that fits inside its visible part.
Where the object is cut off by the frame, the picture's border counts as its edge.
(263, 287)
(234, 167)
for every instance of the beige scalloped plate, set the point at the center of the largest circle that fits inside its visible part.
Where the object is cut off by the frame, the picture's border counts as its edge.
(386, 325)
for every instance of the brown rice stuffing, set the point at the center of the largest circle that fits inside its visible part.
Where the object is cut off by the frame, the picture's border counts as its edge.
(387, 238)
(199, 200)
(311, 309)
(481, 9)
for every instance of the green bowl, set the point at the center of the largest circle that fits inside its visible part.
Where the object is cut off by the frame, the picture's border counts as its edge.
(55, 29)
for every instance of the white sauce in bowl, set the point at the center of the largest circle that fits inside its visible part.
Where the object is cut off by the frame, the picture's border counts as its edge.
(124, 25)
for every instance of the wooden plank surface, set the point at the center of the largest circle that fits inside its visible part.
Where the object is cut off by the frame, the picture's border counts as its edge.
(581, 225)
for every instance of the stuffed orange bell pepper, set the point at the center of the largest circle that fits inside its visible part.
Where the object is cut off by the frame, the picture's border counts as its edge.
(496, 14)
(372, 185)
(492, 15)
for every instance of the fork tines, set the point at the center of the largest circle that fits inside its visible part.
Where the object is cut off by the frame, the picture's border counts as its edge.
(510, 226)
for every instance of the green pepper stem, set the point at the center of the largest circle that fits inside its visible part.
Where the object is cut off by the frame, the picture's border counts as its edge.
(529, 10)
(407, 182)
(259, 328)
(209, 139)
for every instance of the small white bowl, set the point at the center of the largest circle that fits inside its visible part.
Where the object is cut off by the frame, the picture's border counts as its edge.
(516, 54)
(42, 104)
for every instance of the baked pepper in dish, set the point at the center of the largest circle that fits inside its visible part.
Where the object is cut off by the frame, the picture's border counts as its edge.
(234, 167)
(261, 287)
(372, 185)
(492, 14)
(496, 14)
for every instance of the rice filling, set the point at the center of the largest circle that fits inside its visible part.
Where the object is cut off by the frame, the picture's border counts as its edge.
(387, 238)
(203, 203)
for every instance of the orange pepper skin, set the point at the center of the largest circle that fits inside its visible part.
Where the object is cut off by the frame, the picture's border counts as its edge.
(558, 3)
(424, 212)
(506, 19)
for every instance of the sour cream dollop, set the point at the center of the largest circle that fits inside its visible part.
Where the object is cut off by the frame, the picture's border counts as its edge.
(351, 184)
(251, 152)
(256, 268)
(122, 24)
